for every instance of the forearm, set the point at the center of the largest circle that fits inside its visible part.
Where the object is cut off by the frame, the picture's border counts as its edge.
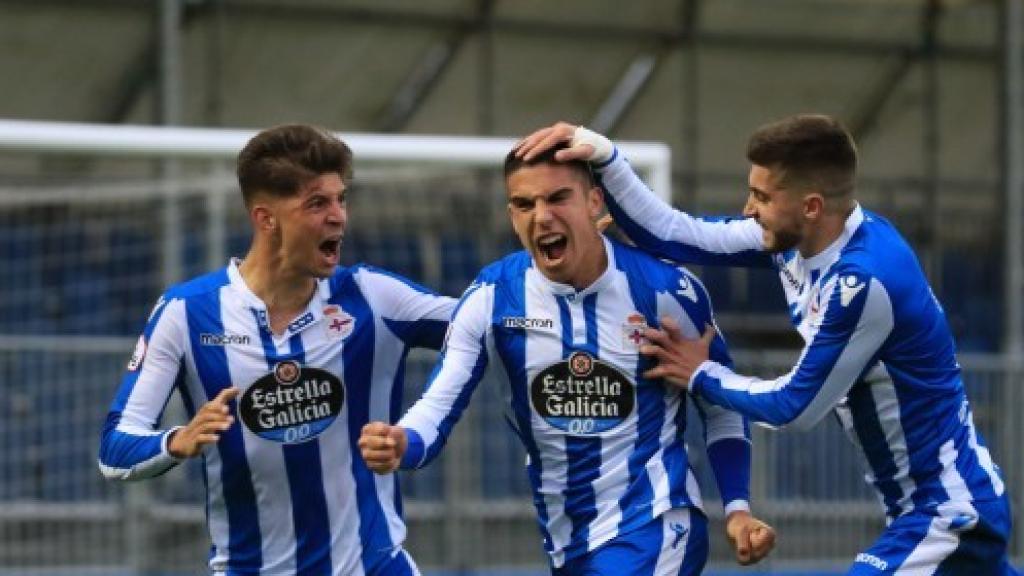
(775, 402)
(730, 462)
(657, 227)
(135, 455)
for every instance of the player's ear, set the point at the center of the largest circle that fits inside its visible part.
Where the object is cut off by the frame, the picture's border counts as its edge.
(814, 205)
(595, 202)
(262, 218)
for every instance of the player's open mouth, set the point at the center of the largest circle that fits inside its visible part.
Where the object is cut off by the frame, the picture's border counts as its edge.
(331, 249)
(552, 246)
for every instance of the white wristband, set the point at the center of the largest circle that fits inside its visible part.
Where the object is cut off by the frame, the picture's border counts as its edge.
(603, 147)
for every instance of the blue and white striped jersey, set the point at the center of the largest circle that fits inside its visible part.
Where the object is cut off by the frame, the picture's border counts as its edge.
(604, 444)
(285, 495)
(878, 350)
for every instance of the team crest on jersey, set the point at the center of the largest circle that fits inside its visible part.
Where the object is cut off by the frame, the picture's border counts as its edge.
(633, 330)
(292, 404)
(338, 323)
(582, 395)
(138, 355)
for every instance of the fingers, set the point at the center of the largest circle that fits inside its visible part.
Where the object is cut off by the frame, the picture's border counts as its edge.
(604, 222)
(762, 541)
(544, 139)
(656, 373)
(656, 336)
(378, 445)
(226, 395)
(708, 335)
(581, 152)
(743, 546)
(671, 328)
(220, 402)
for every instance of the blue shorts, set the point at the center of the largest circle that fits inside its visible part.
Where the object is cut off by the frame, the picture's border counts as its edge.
(967, 539)
(674, 544)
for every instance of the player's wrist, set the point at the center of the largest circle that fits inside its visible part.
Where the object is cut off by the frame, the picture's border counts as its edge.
(604, 150)
(172, 448)
(737, 509)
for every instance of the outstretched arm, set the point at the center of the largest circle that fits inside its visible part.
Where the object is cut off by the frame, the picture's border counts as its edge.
(851, 327)
(648, 220)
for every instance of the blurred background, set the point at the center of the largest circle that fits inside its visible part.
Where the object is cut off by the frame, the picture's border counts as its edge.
(93, 224)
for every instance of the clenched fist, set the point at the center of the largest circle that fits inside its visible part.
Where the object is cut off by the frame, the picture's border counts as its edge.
(382, 446)
(751, 538)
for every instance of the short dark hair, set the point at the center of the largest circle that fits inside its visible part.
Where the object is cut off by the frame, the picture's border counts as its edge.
(811, 150)
(514, 163)
(281, 159)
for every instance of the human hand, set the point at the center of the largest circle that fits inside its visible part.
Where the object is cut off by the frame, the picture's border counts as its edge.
(206, 426)
(678, 357)
(383, 446)
(751, 538)
(584, 144)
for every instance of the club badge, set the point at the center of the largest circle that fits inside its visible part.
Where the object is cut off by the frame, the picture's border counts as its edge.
(338, 323)
(633, 331)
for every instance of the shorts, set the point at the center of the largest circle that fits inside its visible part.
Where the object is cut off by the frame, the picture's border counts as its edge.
(674, 544)
(970, 538)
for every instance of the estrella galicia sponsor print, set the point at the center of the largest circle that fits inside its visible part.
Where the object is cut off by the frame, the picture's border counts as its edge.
(292, 404)
(582, 395)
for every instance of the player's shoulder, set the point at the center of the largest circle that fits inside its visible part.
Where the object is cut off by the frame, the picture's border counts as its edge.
(656, 272)
(199, 286)
(371, 277)
(509, 267)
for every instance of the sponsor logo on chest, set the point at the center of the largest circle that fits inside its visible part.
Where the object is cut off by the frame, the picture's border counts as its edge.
(292, 404)
(582, 395)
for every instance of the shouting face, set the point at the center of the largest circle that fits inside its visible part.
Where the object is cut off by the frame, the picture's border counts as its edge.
(553, 210)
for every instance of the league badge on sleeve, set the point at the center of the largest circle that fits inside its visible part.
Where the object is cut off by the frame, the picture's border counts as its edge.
(338, 323)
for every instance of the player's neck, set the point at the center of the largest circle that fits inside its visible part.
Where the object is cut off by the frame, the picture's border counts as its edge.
(823, 234)
(284, 292)
(594, 264)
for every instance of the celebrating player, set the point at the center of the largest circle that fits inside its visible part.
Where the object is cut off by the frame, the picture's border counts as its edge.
(878, 349)
(609, 471)
(282, 357)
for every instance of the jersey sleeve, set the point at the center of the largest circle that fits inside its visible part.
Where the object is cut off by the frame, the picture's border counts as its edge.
(853, 323)
(131, 446)
(459, 369)
(675, 235)
(417, 315)
(726, 432)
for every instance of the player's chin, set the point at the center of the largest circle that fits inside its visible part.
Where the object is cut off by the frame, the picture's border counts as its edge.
(323, 270)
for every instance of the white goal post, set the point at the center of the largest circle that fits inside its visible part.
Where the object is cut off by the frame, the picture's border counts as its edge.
(653, 158)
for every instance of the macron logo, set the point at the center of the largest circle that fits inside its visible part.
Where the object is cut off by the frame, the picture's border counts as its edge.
(207, 339)
(849, 286)
(872, 560)
(686, 289)
(518, 322)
